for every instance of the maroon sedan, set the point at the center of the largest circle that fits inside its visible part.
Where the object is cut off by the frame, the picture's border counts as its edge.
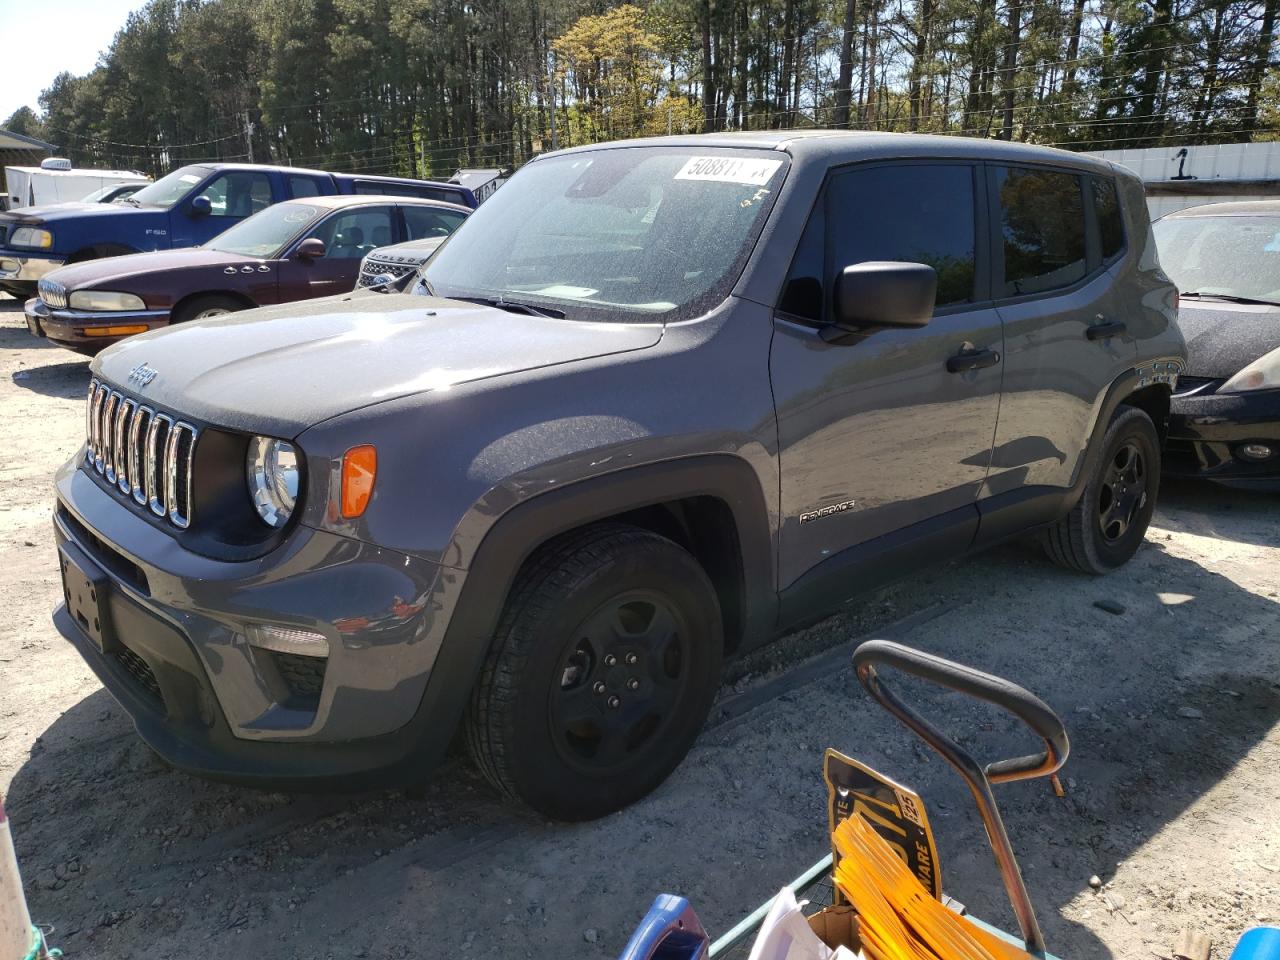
(290, 251)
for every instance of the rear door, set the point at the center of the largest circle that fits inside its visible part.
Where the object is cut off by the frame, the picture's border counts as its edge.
(878, 435)
(1059, 233)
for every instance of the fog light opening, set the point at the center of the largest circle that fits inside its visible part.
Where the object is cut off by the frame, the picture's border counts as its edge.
(1254, 451)
(303, 643)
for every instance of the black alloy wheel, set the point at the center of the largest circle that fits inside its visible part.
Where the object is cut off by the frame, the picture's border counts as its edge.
(600, 674)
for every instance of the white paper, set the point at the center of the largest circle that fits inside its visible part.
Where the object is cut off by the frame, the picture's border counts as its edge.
(785, 933)
(750, 171)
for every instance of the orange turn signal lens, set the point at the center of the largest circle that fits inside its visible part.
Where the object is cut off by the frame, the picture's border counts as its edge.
(120, 331)
(359, 469)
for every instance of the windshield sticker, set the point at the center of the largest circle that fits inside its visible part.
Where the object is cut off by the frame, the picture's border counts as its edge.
(189, 178)
(748, 171)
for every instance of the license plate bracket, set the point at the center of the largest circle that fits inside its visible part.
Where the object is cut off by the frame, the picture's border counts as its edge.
(85, 588)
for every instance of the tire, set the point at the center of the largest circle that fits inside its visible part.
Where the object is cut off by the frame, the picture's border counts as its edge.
(202, 308)
(1109, 522)
(604, 665)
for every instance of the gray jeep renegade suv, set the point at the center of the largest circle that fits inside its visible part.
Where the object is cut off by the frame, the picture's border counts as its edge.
(655, 403)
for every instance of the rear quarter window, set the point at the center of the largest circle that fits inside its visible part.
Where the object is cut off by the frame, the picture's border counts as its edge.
(1042, 227)
(1106, 206)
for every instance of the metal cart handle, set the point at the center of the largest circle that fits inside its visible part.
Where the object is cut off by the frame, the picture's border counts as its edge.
(1023, 704)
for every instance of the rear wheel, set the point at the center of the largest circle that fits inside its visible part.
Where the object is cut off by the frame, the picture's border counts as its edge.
(202, 308)
(601, 674)
(1108, 524)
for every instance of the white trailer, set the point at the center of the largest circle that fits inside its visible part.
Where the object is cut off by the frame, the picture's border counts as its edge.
(1178, 176)
(56, 181)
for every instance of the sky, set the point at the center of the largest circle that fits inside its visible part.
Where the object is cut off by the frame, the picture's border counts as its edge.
(45, 37)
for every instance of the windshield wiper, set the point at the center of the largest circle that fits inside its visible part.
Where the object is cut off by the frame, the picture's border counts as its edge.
(515, 306)
(130, 201)
(1230, 297)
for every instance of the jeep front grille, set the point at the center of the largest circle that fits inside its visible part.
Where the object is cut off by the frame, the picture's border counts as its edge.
(145, 455)
(53, 294)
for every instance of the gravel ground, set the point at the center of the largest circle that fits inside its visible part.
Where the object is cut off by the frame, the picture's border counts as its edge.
(1172, 704)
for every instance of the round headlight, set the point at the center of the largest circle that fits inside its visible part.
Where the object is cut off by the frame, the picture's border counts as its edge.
(272, 469)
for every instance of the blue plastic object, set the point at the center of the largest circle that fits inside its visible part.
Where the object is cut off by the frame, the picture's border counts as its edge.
(669, 931)
(1259, 943)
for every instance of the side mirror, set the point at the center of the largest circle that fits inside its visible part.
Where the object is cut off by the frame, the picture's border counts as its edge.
(201, 206)
(312, 248)
(884, 293)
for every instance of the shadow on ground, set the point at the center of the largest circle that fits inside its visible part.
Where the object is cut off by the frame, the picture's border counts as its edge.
(130, 857)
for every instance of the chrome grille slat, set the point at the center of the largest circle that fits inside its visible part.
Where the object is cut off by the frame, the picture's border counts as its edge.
(143, 454)
(99, 438)
(137, 437)
(109, 435)
(156, 445)
(88, 420)
(120, 451)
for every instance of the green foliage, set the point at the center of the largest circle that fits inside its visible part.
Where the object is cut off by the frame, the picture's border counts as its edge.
(422, 87)
(24, 121)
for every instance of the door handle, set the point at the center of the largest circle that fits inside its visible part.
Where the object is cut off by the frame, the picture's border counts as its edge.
(1105, 331)
(972, 360)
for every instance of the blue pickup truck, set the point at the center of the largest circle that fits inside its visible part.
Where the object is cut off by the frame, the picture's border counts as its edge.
(191, 205)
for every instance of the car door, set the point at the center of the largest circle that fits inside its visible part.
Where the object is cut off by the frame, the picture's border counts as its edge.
(886, 431)
(233, 195)
(1058, 235)
(347, 235)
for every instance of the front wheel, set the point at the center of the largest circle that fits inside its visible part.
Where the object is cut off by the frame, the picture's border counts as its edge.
(1108, 524)
(605, 663)
(202, 308)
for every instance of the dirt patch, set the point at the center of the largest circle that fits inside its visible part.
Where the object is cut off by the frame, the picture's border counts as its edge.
(1169, 694)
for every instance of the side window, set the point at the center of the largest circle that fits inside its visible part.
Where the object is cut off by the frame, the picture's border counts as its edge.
(238, 193)
(350, 235)
(1106, 205)
(427, 222)
(802, 294)
(1043, 228)
(918, 213)
(303, 186)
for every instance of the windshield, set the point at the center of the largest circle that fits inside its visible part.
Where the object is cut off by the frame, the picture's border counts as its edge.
(167, 191)
(626, 234)
(1222, 256)
(103, 192)
(266, 233)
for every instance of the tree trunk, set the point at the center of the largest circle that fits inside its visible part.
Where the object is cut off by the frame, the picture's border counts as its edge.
(918, 61)
(708, 72)
(1261, 63)
(1013, 38)
(844, 83)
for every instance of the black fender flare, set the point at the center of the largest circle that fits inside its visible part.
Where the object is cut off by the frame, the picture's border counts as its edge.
(515, 535)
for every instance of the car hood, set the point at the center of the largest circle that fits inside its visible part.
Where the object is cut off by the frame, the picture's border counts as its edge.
(279, 370)
(75, 210)
(101, 273)
(1223, 337)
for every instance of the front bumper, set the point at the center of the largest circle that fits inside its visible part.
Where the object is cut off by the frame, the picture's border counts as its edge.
(87, 328)
(211, 703)
(27, 266)
(1207, 432)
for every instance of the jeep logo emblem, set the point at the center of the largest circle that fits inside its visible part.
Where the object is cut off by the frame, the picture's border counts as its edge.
(142, 374)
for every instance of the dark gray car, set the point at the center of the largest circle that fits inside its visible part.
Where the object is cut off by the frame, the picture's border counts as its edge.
(654, 404)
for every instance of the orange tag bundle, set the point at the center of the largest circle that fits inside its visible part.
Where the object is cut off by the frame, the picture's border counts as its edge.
(897, 918)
